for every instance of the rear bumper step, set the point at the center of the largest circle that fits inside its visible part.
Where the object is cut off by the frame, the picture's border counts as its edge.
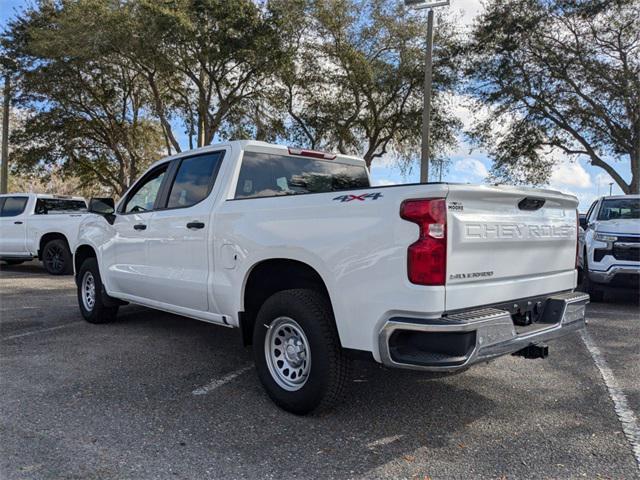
(459, 340)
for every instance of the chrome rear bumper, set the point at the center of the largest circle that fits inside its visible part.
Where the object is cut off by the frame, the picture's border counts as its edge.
(459, 340)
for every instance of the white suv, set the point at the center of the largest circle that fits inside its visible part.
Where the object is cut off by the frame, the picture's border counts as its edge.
(610, 251)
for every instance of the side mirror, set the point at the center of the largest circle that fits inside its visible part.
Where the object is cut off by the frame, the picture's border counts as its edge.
(102, 206)
(583, 223)
(105, 207)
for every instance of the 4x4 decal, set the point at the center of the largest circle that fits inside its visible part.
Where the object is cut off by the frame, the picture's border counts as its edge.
(362, 198)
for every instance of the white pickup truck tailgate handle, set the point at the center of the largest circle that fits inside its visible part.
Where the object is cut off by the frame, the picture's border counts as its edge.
(531, 203)
(197, 225)
(140, 226)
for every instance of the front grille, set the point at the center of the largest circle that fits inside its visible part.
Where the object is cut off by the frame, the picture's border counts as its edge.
(600, 253)
(629, 254)
(628, 239)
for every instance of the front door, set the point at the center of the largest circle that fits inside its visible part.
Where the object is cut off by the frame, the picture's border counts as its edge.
(179, 248)
(127, 253)
(13, 226)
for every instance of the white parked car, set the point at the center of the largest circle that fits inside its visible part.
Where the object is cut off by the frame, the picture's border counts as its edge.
(40, 226)
(610, 250)
(315, 266)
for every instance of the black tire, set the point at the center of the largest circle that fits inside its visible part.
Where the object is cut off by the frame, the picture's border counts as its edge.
(329, 368)
(56, 257)
(98, 312)
(14, 262)
(596, 294)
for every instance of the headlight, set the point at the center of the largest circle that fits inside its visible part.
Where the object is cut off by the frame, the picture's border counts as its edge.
(603, 237)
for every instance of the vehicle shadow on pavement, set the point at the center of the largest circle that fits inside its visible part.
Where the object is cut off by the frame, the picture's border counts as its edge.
(15, 271)
(116, 401)
(387, 420)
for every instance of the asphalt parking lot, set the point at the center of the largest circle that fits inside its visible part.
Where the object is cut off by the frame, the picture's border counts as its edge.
(154, 395)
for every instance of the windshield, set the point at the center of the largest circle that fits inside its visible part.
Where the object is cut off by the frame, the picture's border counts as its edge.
(620, 208)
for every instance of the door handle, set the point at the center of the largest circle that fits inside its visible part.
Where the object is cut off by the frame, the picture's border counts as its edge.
(195, 225)
(17, 223)
(140, 226)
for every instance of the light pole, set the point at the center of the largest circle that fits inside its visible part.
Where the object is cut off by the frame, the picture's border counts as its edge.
(610, 187)
(4, 169)
(428, 76)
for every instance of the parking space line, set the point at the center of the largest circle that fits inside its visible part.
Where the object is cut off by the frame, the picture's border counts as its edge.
(33, 332)
(209, 387)
(627, 418)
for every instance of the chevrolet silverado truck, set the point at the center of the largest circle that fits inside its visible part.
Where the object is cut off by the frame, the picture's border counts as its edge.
(610, 249)
(40, 226)
(316, 267)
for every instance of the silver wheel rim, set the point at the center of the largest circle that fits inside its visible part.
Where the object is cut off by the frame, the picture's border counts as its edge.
(288, 354)
(88, 291)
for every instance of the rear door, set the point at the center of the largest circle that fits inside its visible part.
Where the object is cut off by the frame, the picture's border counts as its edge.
(508, 243)
(180, 256)
(13, 226)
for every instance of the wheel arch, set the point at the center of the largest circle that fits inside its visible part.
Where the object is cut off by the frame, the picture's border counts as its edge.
(81, 254)
(270, 276)
(47, 237)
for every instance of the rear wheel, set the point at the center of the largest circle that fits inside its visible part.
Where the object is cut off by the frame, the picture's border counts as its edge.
(297, 351)
(90, 297)
(56, 257)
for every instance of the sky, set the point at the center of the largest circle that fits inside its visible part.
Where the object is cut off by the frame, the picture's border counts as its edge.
(468, 165)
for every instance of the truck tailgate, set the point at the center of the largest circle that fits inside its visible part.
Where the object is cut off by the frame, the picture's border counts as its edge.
(508, 243)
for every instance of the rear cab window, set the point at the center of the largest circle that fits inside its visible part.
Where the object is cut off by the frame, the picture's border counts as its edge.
(194, 180)
(51, 206)
(12, 206)
(272, 175)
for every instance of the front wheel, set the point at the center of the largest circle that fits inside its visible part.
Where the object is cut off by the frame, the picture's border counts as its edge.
(596, 294)
(297, 351)
(90, 297)
(56, 257)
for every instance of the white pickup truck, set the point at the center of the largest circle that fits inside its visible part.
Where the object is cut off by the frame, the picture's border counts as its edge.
(610, 250)
(315, 266)
(40, 226)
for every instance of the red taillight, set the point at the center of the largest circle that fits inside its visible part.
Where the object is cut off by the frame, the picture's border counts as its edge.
(311, 153)
(427, 257)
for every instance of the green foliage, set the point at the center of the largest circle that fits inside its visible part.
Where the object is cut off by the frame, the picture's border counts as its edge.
(108, 82)
(564, 75)
(88, 114)
(355, 82)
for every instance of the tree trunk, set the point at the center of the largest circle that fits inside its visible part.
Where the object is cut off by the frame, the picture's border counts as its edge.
(634, 186)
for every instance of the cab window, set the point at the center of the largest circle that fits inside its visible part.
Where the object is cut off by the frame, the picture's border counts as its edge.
(267, 175)
(590, 211)
(194, 180)
(13, 206)
(143, 197)
(48, 206)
